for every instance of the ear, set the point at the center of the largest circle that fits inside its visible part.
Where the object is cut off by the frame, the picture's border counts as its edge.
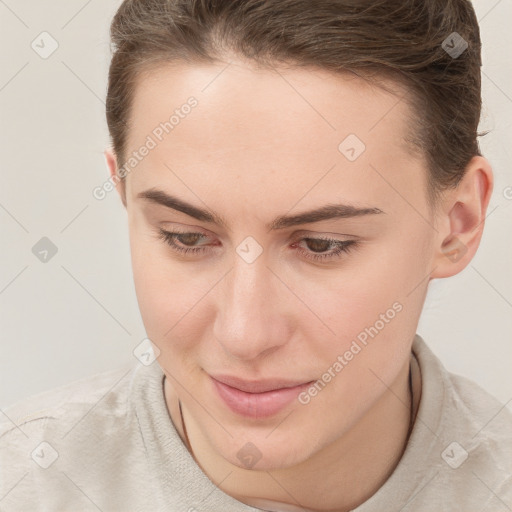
(120, 184)
(461, 217)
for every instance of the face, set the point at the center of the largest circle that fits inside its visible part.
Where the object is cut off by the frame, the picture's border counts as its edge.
(275, 327)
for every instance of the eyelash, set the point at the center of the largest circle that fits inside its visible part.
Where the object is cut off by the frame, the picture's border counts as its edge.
(343, 246)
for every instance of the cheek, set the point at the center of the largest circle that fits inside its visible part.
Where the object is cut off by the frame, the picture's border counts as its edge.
(162, 292)
(370, 327)
(377, 303)
(149, 279)
(170, 302)
(371, 319)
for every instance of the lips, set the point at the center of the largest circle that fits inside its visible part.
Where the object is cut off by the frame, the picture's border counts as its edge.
(256, 399)
(256, 386)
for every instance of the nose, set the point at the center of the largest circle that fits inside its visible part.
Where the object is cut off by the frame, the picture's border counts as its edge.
(251, 321)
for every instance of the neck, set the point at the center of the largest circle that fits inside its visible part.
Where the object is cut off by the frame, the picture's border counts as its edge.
(338, 478)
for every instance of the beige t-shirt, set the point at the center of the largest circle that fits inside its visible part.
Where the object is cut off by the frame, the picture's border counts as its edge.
(107, 443)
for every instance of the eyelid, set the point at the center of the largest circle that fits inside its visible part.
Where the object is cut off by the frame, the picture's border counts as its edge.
(326, 234)
(185, 230)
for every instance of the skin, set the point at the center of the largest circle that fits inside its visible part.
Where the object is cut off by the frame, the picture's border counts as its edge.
(263, 143)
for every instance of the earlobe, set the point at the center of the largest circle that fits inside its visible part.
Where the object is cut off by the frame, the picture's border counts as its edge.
(454, 249)
(465, 208)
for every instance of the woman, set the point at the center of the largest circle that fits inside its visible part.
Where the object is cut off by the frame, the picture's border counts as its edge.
(295, 173)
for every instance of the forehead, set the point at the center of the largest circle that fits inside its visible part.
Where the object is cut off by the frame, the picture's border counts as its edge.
(260, 123)
(270, 98)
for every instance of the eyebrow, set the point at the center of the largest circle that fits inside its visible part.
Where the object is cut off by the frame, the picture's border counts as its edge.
(330, 211)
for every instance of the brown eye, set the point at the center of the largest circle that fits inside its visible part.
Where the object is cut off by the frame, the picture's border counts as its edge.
(320, 245)
(187, 239)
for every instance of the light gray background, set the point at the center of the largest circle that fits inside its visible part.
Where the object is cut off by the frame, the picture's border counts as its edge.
(77, 314)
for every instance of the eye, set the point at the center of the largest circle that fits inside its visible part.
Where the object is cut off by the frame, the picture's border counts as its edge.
(320, 244)
(187, 240)
(170, 238)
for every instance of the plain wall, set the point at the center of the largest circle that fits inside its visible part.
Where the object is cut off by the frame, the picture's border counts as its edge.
(77, 314)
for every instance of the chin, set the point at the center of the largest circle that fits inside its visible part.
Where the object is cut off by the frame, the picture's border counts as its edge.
(262, 453)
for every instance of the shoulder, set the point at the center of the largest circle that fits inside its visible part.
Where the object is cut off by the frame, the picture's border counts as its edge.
(64, 403)
(482, 455)
(470, 435)
(464, 402)
(485, 411)
(67, 444)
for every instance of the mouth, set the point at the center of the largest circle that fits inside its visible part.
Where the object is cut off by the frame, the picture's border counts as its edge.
(256, 399)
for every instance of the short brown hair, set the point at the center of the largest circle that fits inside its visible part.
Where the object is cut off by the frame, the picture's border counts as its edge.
(399, 39)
